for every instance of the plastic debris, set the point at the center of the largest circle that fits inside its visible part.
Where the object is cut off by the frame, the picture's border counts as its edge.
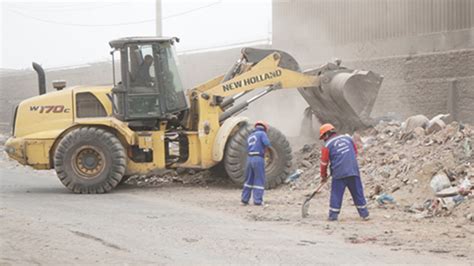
(467, 147)
(294, 176)
(384, 198)
(465, 187)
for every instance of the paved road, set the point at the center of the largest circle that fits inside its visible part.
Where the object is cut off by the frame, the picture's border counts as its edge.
(42, 223)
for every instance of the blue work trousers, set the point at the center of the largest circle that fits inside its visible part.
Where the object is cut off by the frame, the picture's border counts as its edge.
(338, 186)
(254, 180)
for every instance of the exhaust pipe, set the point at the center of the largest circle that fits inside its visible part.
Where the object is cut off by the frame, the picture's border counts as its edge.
(41, 78)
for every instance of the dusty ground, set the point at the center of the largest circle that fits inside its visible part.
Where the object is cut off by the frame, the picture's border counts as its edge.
(390, 226)
(447, 237)
(176, 224)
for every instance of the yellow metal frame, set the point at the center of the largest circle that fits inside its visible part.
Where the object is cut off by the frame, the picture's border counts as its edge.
(38, 132)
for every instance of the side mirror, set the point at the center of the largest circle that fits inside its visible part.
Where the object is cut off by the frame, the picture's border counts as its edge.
(59, 84)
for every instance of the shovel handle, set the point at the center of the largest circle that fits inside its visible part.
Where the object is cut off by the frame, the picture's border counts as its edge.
(317, 189)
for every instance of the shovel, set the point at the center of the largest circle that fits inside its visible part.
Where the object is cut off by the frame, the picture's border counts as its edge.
(304, 209)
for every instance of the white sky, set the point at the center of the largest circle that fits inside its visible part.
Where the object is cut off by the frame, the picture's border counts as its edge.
(64, 33)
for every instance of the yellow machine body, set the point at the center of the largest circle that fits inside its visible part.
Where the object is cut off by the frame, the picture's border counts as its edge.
(42, 122)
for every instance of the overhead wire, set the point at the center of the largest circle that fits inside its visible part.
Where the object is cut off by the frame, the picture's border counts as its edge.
(114, 24)
(61, 8)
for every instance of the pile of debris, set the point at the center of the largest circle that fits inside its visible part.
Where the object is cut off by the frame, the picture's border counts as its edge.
(179, 176)
(424, 166)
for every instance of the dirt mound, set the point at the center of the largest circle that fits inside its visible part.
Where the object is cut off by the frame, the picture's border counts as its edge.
(405, 165)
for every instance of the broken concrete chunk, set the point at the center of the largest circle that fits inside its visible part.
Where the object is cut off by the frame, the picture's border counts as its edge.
(439, 182)
(415, 121)
(435, 126)
(306, 164)
(467, 148)
(446, 118)
(447, 192)
(419, 132)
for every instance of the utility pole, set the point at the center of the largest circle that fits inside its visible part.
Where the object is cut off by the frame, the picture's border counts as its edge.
(159, 24)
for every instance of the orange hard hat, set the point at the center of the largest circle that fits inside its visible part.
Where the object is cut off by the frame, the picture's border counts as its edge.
(325, 129)
(261, 123)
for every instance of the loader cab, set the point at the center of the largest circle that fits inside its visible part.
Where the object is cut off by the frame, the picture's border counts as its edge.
(147, 84)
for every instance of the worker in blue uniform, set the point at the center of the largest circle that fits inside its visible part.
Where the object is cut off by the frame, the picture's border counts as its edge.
(257, 143)
(340, 152)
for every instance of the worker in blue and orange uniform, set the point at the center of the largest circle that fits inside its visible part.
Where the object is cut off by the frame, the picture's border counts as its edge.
(257, 143)
(340, 152)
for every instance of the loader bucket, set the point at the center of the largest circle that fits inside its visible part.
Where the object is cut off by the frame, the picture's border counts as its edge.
(345, 97)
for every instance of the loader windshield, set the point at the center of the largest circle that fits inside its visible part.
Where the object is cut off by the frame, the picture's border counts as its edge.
(151, 83)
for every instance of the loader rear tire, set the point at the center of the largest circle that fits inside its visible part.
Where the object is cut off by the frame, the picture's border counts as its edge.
(278, 159)
(90, 160)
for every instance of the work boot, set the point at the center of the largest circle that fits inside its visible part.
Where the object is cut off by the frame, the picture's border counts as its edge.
(332, 219)
(365, 218)
(244, 203)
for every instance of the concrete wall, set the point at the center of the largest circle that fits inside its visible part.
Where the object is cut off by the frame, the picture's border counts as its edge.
(357, 29)
(429, 83)
(424, 48)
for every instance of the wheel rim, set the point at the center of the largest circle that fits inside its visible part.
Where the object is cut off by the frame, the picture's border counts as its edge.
(271, 156)
(88, 162)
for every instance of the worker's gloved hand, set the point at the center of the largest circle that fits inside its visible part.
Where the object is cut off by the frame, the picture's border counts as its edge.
(324, 179)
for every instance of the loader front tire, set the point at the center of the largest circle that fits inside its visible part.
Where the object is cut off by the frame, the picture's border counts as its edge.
(90, 160)
(278, 159)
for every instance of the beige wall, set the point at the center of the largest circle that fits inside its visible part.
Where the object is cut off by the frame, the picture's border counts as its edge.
(424, 48)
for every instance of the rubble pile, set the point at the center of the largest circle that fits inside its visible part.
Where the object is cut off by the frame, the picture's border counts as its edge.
(424, 166)
(179, 176)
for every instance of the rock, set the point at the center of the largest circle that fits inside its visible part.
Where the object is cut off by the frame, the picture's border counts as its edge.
(395, 158)
(448, 161)
(446, 118)
(306, 148)
(435, 126)
(385, 172)
(306, 164)
(419, 132)
(181, 171)
(447, 192)
(470, 217)
(439, 182)
(467, 148)
(415, 121)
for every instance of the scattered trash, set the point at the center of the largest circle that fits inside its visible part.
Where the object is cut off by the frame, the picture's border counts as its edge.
(435, 126)
(465, 187)
(360, 240)
(410, 163)
(384, 198)
(470, 217)
(458, 199)
(306, 164)
(306, 148)
(415, 121)
(467, 147)
(294, 176)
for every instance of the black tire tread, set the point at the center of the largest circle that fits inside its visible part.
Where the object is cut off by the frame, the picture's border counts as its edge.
(117, 154)
(235, 156)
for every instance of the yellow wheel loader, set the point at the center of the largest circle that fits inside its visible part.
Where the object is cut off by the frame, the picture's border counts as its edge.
(96, 137)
